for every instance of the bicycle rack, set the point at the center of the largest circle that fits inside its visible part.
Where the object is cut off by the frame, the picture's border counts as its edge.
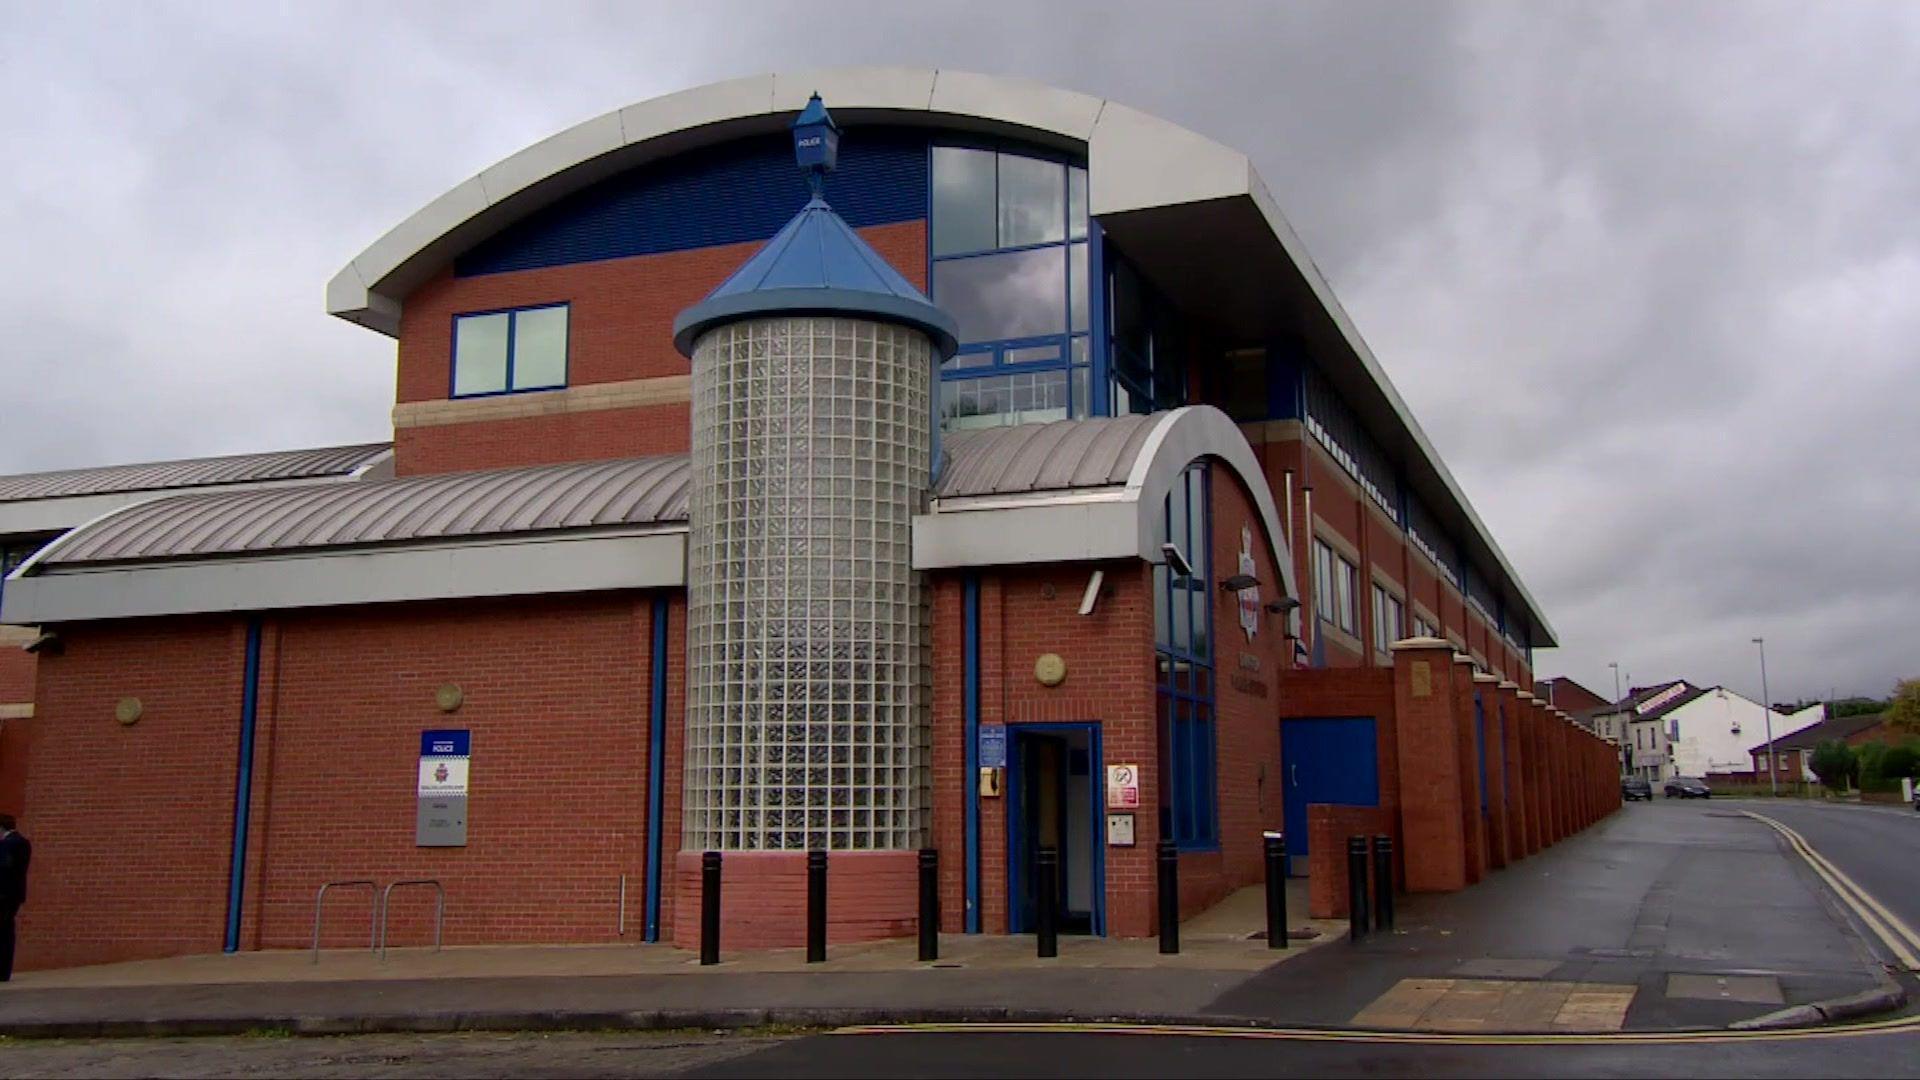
(439, 910)
(373, 911)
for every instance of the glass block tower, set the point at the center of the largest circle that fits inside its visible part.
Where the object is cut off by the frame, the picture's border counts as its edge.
(807, 666)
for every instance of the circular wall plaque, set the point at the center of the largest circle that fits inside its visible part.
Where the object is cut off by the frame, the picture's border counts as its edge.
(127, 710)
(1050, 669)
(448, 697)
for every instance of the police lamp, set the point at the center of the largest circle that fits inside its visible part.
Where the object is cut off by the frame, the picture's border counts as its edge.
(816, 142)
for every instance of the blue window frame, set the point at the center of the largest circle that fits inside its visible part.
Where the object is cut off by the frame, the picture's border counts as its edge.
(511, 351)
(1147, 368)
(1183, 654)
(1011, 258)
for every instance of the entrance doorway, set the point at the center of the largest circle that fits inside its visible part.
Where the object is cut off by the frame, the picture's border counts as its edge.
(1053, 800)
(1328, 760)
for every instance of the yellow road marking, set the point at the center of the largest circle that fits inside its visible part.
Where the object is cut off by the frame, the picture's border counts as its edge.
(1879, 1027)
(1899, 938)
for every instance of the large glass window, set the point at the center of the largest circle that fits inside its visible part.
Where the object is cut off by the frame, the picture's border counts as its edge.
(1387, 613)
(503, 352)
(1148, 369)
(1183, 651)
(1010, 263)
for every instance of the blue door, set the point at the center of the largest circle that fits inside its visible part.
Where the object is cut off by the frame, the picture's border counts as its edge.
(1332, 760)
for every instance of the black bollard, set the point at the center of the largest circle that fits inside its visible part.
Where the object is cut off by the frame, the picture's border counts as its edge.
(1046, 870)
(816, 906)
(1356, 887)
(1276, 855)
(1168, 857)
(929, 904)
(710, 907)
(1383, 882)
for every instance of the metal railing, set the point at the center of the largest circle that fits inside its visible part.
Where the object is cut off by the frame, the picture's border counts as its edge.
(373, 922)
(439, 910)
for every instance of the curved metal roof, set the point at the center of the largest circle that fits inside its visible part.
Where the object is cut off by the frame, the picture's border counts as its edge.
(193, 472)
(634, 491)
(1044, 457)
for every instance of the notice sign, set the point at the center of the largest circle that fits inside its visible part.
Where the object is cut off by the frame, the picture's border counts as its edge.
(993, 746)
(1123, 787)
(441, 808)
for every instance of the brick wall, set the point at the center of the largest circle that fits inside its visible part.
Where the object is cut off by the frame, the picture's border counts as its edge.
(763, 898)
(620, 328)
(16, 691)
(1328, 828)
(131, 824)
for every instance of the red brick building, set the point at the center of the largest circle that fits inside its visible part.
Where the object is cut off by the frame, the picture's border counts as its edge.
(1180, 566)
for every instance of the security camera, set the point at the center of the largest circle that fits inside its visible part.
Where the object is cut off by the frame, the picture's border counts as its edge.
(1176, 560)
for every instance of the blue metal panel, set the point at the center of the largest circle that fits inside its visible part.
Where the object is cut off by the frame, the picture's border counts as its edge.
(656, 769)
(1332, 760)
(243, 785)
(740, 192)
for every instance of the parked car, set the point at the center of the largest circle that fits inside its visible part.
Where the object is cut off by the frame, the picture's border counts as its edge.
(1636, 787)
(1687, 787)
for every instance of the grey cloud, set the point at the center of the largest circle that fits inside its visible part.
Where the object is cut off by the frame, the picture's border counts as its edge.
(1646, 272)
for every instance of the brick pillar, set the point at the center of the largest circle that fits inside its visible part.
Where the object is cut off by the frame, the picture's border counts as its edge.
(1434, 843)
(1537, 799)
(1560, 777)
(1519, 845)
(1473, 822)
(1499, 828)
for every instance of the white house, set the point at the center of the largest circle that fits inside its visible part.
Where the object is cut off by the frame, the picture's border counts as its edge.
(1684, 730)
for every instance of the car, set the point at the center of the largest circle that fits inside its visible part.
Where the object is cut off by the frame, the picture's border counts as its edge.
(1688, 787)
(1635, 787)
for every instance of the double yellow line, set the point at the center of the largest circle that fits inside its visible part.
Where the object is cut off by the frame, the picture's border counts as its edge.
(1401, 1038)
(1897, 936)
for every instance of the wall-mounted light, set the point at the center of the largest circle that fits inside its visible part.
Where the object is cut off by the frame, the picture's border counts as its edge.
(48, 642)
(1283, 605)
(1239, 583)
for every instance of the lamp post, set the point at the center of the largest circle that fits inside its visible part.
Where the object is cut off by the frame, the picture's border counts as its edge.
(1766, 704)
(1626, 756)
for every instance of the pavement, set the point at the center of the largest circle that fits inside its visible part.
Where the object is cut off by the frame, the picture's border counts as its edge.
(1664, 917)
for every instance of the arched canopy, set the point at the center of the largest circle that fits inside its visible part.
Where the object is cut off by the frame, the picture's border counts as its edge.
(1136, 160)
(1079, 490)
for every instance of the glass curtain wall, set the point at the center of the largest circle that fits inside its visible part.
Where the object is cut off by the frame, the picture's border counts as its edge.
(1009, 261)
(1183, 654)
(1148, 366)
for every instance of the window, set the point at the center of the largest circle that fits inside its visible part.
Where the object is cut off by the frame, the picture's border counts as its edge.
(1335, 581)
(1423, 628)
(1147, 369)
(504, 352)
(1010, 264)
(1387, 611)
(1183, 658)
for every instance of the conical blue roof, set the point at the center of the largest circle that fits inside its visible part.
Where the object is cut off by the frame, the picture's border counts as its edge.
(817, 265)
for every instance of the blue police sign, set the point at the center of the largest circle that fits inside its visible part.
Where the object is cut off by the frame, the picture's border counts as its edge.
(446, 744)
(993, 746)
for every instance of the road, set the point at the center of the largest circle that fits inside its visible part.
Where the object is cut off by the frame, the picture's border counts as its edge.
(974, 1053)
(1878, 846)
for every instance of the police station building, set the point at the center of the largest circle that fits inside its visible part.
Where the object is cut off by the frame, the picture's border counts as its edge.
(999, 476)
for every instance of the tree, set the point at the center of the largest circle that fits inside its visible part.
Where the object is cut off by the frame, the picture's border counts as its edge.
(1903, 712)
(1903, 760)
(1835, 763)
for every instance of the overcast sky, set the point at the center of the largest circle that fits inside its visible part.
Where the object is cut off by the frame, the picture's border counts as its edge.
(1649, 275)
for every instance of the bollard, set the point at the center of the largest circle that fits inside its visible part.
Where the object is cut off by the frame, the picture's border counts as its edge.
(1276, 853)
(709, 907)
(816, 906)
(1383, 882)
(929, 904)
(1046, 871)
(1167, 854)
(1356, 887)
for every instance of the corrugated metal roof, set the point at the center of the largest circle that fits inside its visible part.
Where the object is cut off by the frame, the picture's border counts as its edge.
(1058, 456)
(576, 496)
(192, 472)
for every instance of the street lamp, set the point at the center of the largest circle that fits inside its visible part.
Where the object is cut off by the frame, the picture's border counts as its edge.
(1626, 756)
(1766, 704)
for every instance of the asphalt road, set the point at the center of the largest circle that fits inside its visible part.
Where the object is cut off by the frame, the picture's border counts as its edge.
(1877, 846)
(1885, 1054)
